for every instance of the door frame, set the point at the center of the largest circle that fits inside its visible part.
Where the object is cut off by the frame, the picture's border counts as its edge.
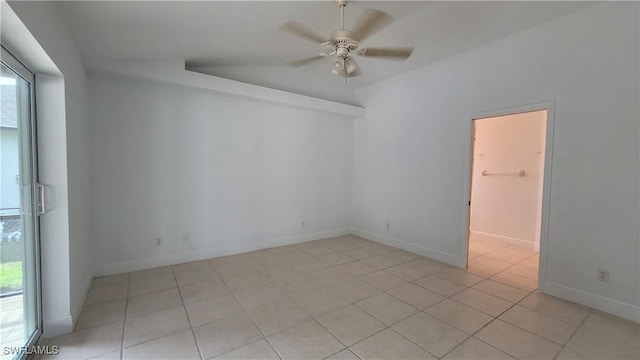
(549, 106)
(19, 68)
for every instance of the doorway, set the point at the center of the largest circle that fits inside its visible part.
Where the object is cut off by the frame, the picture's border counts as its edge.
(507, 197)
(20, 206)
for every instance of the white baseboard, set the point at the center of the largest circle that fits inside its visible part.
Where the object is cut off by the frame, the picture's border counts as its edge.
(505, 240)
(231, 249)
(622, 310)
(430, 253)
(53, 328)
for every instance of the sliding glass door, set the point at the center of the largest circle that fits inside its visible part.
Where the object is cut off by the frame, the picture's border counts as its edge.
(20, 205)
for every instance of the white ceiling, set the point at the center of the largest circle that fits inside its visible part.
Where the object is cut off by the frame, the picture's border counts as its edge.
(242, 39)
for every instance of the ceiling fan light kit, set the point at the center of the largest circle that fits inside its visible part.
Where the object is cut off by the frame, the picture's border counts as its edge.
(342, 44)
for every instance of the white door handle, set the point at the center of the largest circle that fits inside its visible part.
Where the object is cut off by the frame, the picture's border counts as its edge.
(41, 208)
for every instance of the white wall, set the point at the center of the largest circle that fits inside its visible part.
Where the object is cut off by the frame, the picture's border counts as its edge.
(411, 148)
(64, 165)
(506, 208)
(236, 175)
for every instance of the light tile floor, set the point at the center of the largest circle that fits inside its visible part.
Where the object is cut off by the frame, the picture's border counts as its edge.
(341, 298)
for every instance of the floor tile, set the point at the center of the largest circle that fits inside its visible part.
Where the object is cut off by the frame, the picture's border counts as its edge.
(154, 325)
(382, 280)
(326, 277)
(226, 334)
(568, 354)
(439, 285)
(386, 308)
(593, 345)
(490, 262)
(105, 293)
(296, 284)
(119, 279)
(406, 272)
(149, 273)
(359, 253)
(556, 308)
(350, 324)
(212, 309)
(502, 291)
(515, 281)
(199, 266)
(517, 342)
(477, 350)
(318, 250)
(484, 302)
(312, 299)
(101, 313)
(461, 316)
(612, 326)
(430, 333)
(523, 271)
(415, 295)
(155, 301)
(401, 255)
(259, 350)
(354, 290)
(427, 265)
(151, 284)
(328, 260)
(345, 354)
(256, 297)
(176, 346)
(380, 262)
(203, 290)
(356, 268)
(187, 277)
(387, 344)
(246, 281)
(539, 324)
(319, 301)
(305, 341)
(461, 277)
(380, 249)
(88, 343)
(278, 316)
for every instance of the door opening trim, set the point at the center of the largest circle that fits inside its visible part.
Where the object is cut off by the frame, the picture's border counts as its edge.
(549, 106)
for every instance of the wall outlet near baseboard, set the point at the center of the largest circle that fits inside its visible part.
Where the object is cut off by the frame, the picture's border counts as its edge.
(603, 275)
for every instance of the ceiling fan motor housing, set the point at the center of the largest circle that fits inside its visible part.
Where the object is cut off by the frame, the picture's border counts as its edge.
(343, 43)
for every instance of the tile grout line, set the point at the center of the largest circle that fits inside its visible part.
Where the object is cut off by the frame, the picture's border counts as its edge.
(184, 307)
(124, 321)
(248, 315)
(574, 333)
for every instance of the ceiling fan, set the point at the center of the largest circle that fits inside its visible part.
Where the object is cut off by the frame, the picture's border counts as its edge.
(342, 44)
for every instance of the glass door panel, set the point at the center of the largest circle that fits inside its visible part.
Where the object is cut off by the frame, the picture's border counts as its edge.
(19, 264)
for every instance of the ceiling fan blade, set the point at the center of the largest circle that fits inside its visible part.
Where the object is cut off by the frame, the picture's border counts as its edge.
(305, 61)
(369, 23)
(358, 72)
(297, 29)
(391, 53)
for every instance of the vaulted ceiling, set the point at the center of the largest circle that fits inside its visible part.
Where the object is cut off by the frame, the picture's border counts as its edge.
(242, 42)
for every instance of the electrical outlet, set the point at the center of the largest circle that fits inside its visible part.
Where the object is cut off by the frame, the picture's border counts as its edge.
(185, 238)
(603, 275)
(158, 241)
(303, 224)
